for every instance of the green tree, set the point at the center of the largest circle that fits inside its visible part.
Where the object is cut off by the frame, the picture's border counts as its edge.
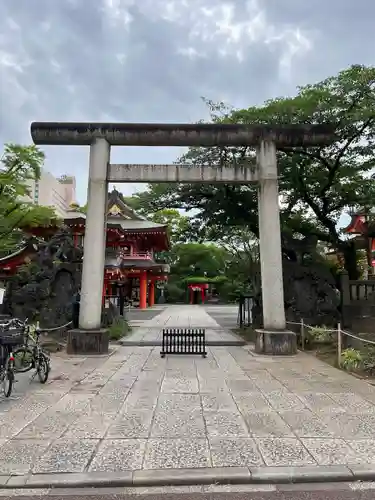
(146, 202)
(19, 166)
(243, 260)
(197, 259)
(317, 183)
(179, 227)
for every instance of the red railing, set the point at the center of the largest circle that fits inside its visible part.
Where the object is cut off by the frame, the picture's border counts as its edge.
(137, 255)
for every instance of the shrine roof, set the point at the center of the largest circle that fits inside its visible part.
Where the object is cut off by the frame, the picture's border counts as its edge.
(136, 225)
(120, 216)
(74, 214)
(357, 224)
(129, 226)
(117, 207)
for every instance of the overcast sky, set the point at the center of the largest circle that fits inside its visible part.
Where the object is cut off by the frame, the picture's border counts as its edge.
(152, 60)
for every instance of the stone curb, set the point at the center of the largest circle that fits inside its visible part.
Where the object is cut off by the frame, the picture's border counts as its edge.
(188, 477)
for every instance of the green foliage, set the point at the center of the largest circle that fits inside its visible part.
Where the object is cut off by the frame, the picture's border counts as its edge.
(351, 359)
(175, 293)
(317, 183)
(119, 328)
(178, 224)
(196, 259)
(368, 356)
(320, 334)
(195, 279)
(202, 279)
(19, 166)
(145, 202)
(243, 260)
(230, 290)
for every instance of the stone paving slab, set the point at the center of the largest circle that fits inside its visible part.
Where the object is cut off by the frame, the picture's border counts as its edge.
(224, 314)
(149, 332)
(134, 411)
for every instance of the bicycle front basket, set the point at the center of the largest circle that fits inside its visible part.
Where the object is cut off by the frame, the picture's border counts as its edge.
(11, 338)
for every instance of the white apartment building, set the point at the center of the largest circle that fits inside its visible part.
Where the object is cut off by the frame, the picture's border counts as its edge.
(58, 193)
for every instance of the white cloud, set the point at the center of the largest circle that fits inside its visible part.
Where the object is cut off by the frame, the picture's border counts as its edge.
(151, 60)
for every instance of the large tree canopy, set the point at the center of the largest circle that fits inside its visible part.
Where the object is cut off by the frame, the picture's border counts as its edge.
(181, 227)
(19, 165)
(195, 259)
(178, 225)
(316, 183)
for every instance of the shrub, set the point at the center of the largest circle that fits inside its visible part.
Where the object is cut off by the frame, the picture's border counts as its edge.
(351, 359)
(119, 328)
(368, 356)
(320, 334)
(174, 293)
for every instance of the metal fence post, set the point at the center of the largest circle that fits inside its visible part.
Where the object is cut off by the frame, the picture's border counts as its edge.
(339, 344)
(303, 334)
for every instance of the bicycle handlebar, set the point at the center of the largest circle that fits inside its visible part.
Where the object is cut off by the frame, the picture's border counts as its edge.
(14, 322)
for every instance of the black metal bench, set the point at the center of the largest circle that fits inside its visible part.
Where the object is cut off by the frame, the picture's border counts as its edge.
(184, 341)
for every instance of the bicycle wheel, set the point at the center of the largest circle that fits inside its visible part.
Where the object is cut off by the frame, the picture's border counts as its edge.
(43, 368)
(23, 359)
(7, 379)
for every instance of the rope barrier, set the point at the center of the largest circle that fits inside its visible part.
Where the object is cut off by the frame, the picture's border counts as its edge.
(55, 328)
(330, 330)
(325, 330)
(366, 341)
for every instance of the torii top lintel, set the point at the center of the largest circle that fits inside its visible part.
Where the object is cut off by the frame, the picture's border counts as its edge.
(180, 134)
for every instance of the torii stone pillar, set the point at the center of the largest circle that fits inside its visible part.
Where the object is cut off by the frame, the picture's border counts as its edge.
(274, 338)
(270, 238)
(95, 237)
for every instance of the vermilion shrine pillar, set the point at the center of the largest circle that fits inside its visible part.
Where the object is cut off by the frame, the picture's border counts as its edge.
(151, 293)
(143, 290)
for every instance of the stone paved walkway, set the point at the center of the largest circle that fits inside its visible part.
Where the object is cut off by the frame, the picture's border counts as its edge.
(134, 410)
(224, 314)
(180, 316)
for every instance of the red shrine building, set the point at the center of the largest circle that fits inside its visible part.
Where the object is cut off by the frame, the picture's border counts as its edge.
(197, 292)
(132, 269)
(363, 228)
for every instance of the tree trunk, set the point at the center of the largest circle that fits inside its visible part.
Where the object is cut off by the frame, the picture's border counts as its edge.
(350, 255)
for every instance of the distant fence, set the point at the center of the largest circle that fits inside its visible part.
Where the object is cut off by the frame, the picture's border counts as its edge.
(357, 303)
(245, 311)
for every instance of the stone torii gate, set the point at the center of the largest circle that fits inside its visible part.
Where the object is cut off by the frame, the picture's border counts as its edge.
(274, 338)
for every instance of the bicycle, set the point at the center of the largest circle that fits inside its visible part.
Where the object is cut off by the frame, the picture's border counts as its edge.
(8, 340)
(28, 357)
